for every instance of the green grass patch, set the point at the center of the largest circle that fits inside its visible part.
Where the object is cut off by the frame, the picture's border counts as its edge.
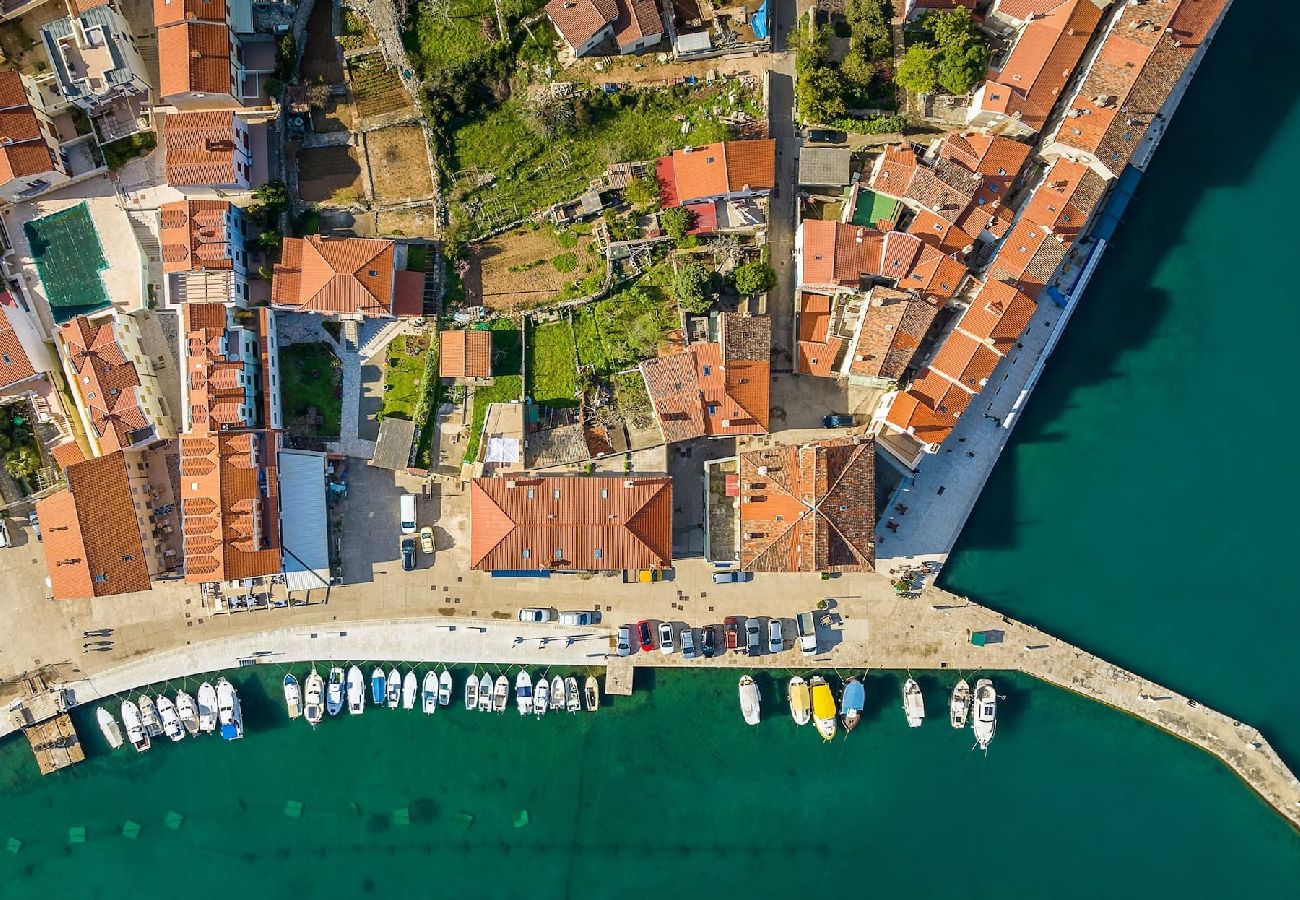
(310, 383)
(120, 152)
(417, 257)
(552, 365)
(403, 378)
(566, 238)
(626, 327)
(586, 334)
(507, 350)
(466, 32)
(565, 262)
(503, 389)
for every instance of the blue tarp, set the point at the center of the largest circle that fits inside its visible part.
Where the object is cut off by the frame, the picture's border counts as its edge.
(760, 22)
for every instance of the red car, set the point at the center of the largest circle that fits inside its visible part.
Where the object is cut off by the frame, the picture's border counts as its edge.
(646, 635)
(735, 626)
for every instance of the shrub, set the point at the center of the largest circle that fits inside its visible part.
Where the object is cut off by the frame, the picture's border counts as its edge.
(565, 262)
(690, 288)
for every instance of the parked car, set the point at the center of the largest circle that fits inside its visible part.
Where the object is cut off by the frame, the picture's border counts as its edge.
(688, 643)
(837, 420)
(734, 576)
(733, 627)
(623, 644)
(36, 524)
(406, 509)
(536, 614)
(645, 635)
(426, 539)
(648, 576)
(709, 641)
(581, 618)
(807, 627)
(408, 554)
(775, 640)
(666, 638)
(826, 136)
(752, 633)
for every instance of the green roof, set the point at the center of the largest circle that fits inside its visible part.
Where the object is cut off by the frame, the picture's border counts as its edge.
(69, 259)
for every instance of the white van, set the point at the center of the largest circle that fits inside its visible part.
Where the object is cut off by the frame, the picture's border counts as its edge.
(408, 513)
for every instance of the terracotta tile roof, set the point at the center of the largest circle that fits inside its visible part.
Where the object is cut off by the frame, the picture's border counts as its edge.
(24, 152)
(966, 361)
(751, 165)
(939, 233)
(230, 507)
(1028, 257)
(194, 235)
(894, 170)
(851, 256)
(169, 12)
(998, 315)
(408, 294)
(194, 57)
(1069, 193)
(335, 275)
(571, 522)
(930, 408)
(934, 275)
(636, 19)
(809, 508)
(818, 348)
(67, 454)
(578, 21)
(716, 170)
(715, 388)
(12, 91)
(200, 148)
(1026, 9)
(465, 354)
(893, 326)
(105, 380)
(15, 365)
(90, 533)
(216, 393)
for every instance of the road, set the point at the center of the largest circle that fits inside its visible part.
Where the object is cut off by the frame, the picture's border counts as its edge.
(781, 214)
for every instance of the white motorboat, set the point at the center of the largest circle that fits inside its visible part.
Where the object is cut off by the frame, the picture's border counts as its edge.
(823, 708)
(591, 688)
(314, 708)
(750, 700)
(573, 697)
(394, 687)
(188, 712)
(485, 693)
(471, 693)
(524, 693)
(149, 717)
(378, 686)
(800, 701)
(541, 696)
(410, 687)
(171, 722)
(356, 692)
(444, 687)
(334, 691)
(108, 725)
(500, 694)
(429, 693)
(913, 703)
(135, 732)
(984, 722)
(959, 705)
(293, 695)
(558, 693)
(207, 708)
(230, 719)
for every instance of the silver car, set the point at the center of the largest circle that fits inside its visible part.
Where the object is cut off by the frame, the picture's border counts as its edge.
(535, 614)
(688, 644)
(752, 632)
(666, 638)
(624, 644)
(775, 642)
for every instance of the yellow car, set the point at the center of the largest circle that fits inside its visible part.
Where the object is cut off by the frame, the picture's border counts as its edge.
(426, 539)
(647, 576)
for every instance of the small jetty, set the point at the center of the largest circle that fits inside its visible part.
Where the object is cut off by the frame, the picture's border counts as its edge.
(42, 715)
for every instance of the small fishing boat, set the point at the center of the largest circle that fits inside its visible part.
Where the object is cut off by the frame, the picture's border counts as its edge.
(444, 687)
(471, 693)
(108, 725)
(823, 707)
(559, 693)
(429, 694)
(292, 696)
(135, 732)
(500, 694)
(985, 719)
(230, 719)
(207, 708)
(573, 696)
(800, 701)
(334, 692)
(591, 689)
(394, 687)
(410, 687)
(149, 717)
(913, 703)
(750, 700)
(485, 693)
(541, 696)
(959, 705)
(356, 692)
(524, 693)
(378, 686)
(852, 699)
(314, 709)
(188, 712)
(171, 722)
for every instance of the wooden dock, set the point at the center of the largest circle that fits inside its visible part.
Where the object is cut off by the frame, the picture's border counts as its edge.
(42, 715)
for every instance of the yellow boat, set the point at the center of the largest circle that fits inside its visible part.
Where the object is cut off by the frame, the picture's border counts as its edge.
(823, 708)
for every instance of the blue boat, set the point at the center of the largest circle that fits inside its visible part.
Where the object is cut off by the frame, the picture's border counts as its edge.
(852, 699)
(378, 686)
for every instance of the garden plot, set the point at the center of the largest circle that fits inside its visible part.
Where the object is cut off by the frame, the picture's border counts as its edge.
(377, 89)
(552, 364)
(398, 163)
(330, 175)
(531, 266)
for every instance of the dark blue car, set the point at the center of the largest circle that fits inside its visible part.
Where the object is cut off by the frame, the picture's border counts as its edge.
(408, 554)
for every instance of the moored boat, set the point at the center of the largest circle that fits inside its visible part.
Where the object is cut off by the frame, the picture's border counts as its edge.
(188, 712)
(471, 693)
(394, 687)
(378, 686)
(800, 701)
(135, 732)
(559, 693)
(292, 696)
(410, 687)
(207, 708)
(171, 722)
(334, 691)
(485, 693)
(959, 705)
(444, 687)
(108, 725)
(500, 694)
(823, 707)
(230, 719)
(356, 692)
(541, 696)
(314, 708)
(750, 700)
(591, 688)
(985, 708)
(913, 703)
(149, 717)
(429, 693)
(574, 698)
(524, 693)
(852, 698)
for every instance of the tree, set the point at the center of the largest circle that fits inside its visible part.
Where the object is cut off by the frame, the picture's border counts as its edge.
(23, 462)
(689, 287)
(643, 334)
(642, 192)
(676, 222)
(819, 95)
(754, 278)
(918, 72)
(954, 57)
(959, 72)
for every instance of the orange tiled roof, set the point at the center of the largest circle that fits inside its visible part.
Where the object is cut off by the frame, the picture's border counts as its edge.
(929, 409)
(90, 533)
(636, 19)
(818, 348)
(998, 315)
(1028, 257)
(230, 505)
(200, 148)
(105, 380)
(716, 170)
(939, 233)
(1069, 192)
(1026, 9)
(216, 393)
(578, 21)
(24, 152)
(335, 275)
(966, 361)
(571, 522)
(12, 91)
(15, 365)
(194, 57)
(67, 453)
(169, 12)
(465, 354)
(893, 326)
(809, 508)
(194, 235)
